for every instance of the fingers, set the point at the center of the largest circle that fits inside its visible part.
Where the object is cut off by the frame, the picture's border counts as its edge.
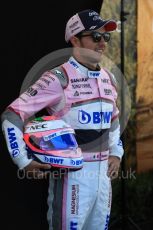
(45, 166)
(113, 174)
(112, 171)
(113, 167)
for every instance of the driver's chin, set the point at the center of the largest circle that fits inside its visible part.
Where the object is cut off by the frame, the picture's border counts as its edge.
(96, 58)
(91, 56)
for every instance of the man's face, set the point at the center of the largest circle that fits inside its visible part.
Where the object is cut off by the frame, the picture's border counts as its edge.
(93, 44)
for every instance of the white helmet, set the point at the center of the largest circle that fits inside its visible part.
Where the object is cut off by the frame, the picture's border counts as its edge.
(52, 141)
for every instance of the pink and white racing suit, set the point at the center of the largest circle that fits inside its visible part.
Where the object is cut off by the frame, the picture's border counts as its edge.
(87, 101)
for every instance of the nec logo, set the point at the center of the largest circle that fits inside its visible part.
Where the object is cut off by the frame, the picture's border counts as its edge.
(94, 117)
(33, 127)
(13, 143)
(73, 225)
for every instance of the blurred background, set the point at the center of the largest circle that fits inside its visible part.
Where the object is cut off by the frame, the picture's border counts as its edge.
(133, 190)
(32, 30)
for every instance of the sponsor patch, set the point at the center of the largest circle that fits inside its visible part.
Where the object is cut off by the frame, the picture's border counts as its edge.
(13, 142)
(93, 74)
(80, 86)
(108, 91)
(53, 160)
(31, 92)
(107, 222)
(76, 162)
(74, 199)
(76, 93)
(74, 64)
(73, 225)
(94, 117)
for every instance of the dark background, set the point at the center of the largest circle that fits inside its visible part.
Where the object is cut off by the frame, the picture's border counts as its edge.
(29, 31)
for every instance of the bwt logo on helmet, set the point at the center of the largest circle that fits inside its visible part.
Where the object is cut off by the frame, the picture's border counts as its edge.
(13, 143)
(73, 225)
(94, 117)
(76, 162)
(53, 160)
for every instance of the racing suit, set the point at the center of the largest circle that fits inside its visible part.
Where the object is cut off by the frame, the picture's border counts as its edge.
(86, 100)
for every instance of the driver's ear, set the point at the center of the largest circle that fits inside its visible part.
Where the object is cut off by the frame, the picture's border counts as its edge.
(75, 41)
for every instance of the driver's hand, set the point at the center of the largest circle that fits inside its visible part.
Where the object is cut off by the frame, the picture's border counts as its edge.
(113, 167)
(36, 170)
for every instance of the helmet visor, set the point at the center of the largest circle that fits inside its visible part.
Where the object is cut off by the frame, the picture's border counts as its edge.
(55, 141)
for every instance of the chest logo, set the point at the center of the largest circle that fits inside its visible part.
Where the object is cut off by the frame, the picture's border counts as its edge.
(94, 117)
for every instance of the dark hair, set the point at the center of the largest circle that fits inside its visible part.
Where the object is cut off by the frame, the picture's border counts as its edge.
(69, 44)
(79, 34)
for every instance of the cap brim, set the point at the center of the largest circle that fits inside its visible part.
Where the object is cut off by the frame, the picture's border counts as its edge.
(109, 25)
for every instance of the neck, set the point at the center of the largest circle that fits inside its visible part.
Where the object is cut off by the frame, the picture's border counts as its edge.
(86, 57)
(90, 66)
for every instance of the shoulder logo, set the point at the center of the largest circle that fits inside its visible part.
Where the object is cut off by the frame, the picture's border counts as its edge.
(59, 73)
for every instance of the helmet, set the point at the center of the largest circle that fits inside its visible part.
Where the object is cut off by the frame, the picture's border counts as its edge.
(52, 141)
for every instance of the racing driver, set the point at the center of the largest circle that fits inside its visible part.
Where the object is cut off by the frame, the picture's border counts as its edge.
(83, 95)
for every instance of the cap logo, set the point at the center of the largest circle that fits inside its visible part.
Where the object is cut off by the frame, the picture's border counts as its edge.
(92, 13)
(95, 18)
(92, 27)
(73, 25)
(72, 31)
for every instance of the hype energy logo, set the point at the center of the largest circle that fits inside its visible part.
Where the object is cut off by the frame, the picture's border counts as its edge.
(94, 117)
(13, 142)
